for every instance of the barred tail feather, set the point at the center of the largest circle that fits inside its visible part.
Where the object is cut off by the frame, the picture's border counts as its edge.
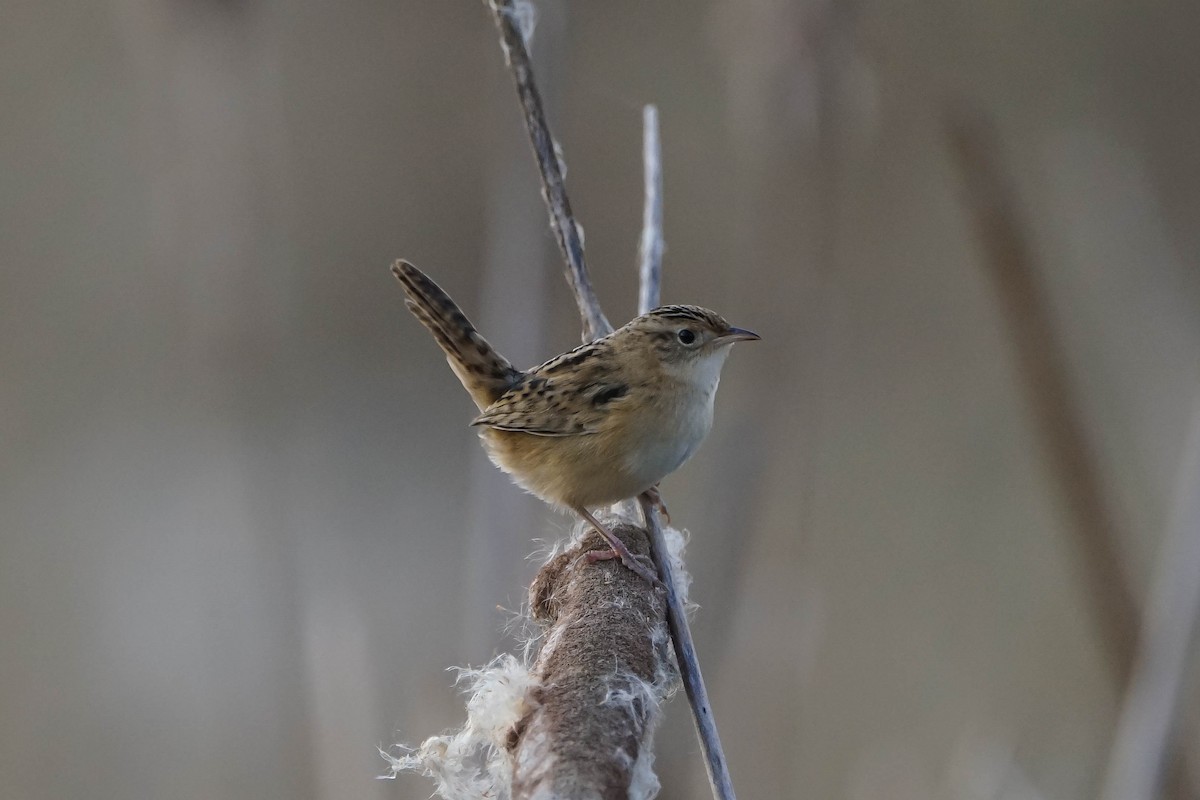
(484, 373)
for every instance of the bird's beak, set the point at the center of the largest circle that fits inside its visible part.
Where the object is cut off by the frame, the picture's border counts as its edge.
(737, 335)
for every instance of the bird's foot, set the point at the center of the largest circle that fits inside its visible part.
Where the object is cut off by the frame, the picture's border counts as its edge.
(655, 497)
(628, 559)
(618, 550)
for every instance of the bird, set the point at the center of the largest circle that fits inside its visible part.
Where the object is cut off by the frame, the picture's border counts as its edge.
(598, 424)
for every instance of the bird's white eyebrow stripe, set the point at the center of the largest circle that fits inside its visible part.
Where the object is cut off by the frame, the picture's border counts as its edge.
(692, 313)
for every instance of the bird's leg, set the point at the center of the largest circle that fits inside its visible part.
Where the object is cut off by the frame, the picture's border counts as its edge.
(619, 550)
(655, 497)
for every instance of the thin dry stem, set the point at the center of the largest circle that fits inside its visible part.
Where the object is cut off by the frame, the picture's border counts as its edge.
(595, 324)
(689, 663)
(651, 248)
(566, 230)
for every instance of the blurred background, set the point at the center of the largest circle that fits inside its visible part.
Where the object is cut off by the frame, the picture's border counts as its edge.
(244, 527)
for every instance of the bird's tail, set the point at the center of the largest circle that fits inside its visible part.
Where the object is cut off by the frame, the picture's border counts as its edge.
(484, 373)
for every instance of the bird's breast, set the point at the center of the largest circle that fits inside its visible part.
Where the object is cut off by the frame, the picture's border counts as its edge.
(666, 438)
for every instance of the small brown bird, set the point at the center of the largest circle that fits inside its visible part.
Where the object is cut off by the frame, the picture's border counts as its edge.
(604, 422)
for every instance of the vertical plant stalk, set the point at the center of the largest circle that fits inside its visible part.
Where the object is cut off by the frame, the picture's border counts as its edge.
(715, 763)
(602, 673)
(596, 324)
(650, 250)
(562, 221)
(649, 289)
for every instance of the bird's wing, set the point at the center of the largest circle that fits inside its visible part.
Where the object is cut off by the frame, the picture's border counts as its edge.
(570, 395)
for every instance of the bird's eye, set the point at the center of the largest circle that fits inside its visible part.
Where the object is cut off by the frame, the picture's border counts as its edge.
(687, 336)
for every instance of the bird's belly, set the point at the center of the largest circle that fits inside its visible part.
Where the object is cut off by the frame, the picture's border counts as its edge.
(598, 469)
(565, 471)
(661, 448)
(657, 458)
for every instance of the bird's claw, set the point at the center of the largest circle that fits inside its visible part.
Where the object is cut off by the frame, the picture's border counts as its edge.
(655, 497)
(632, 562)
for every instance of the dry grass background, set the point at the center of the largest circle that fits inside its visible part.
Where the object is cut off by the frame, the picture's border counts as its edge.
(243, 524)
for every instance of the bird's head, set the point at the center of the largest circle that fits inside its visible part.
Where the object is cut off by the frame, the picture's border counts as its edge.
(688, 341)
